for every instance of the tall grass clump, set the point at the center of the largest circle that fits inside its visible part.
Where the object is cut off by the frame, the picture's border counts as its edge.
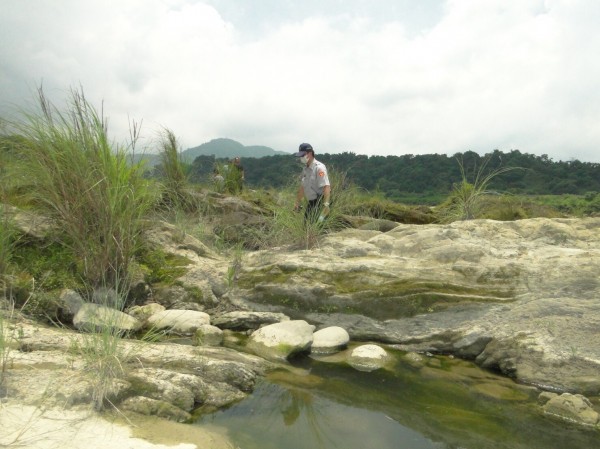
(468, 198)
(84, 183)
(174, 174)
(293, 228)
(8, 234)
(7, 242)
(104, 358)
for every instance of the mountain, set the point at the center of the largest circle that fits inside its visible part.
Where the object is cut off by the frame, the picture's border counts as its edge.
(228, 148)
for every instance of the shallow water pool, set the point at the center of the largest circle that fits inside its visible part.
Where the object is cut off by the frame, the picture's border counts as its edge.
(442, 403)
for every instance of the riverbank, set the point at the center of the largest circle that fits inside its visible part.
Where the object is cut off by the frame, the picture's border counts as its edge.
(40, 428)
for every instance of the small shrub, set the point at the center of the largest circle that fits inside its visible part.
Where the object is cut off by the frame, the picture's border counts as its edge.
(468, 198)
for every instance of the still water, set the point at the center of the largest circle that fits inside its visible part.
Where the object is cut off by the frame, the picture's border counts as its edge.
(441, 404)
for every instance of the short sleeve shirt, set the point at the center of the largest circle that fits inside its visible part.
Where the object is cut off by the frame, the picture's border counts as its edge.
(314, 179)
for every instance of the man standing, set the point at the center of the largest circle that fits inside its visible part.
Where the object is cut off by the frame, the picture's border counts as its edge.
(315, 185)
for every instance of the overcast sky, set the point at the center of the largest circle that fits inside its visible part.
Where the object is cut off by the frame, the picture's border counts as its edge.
(369, 76)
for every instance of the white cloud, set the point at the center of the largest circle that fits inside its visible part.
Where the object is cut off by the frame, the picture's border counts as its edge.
(470, 75)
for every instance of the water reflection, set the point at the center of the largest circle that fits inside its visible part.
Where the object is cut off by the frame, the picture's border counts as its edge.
(443, 405)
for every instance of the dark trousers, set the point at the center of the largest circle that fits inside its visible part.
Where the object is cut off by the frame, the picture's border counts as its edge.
(311, 213)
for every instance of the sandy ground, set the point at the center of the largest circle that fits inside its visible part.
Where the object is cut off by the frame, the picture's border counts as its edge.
(24, 426)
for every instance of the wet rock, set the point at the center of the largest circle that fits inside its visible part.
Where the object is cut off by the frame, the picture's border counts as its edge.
(329, 340)
(281, 340)
(181, 390)
(573, 408)
(545, 396)
(368, 357)
(415, 360)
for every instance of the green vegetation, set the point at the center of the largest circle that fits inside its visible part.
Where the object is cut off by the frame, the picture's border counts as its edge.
(426, 179)
(467, 198)
(72, 173)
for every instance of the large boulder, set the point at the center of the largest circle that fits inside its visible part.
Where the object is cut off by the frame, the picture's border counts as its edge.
(279, 341)
(519, 297)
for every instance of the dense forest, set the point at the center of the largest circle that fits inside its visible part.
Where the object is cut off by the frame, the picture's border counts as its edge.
(425, 178)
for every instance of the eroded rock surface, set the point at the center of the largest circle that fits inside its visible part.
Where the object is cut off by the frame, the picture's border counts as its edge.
(521, 297)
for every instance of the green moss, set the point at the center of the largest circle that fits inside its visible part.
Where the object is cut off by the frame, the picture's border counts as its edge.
(380, 298)
(161, 267)
(51, 266)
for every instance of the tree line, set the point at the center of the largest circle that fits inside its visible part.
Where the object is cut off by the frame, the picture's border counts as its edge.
(424, 176)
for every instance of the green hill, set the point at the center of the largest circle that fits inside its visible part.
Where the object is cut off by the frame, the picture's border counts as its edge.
(228, 148)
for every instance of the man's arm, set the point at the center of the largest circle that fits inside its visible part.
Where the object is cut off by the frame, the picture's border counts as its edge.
(299, 197)
(326, 196)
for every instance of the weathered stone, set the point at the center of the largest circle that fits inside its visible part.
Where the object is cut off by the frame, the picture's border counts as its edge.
(573, 408)
(282, 340)
(96, 318)
(184, 322)
(207, 335)
(329, 340)
(148, 406)
(142, 313)
(415, 360)
(545, 396)
(182, 390)
(368, 357)
(70, 302)
(244, 320)
(519, 297)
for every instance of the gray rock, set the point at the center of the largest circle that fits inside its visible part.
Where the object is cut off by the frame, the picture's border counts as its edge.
(368, 357)
(142, 313)
(148, 406)
(181, 390)
(329, 340)
(183, 322)
(71, 302)
(573, 408)
(208, 335)
(281, 340)
(244, 320)
(519, 297)
(415, 360)
(545, 396)
(97, 318)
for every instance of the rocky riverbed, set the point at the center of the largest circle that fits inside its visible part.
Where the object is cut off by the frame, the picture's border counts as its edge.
(521, 298)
